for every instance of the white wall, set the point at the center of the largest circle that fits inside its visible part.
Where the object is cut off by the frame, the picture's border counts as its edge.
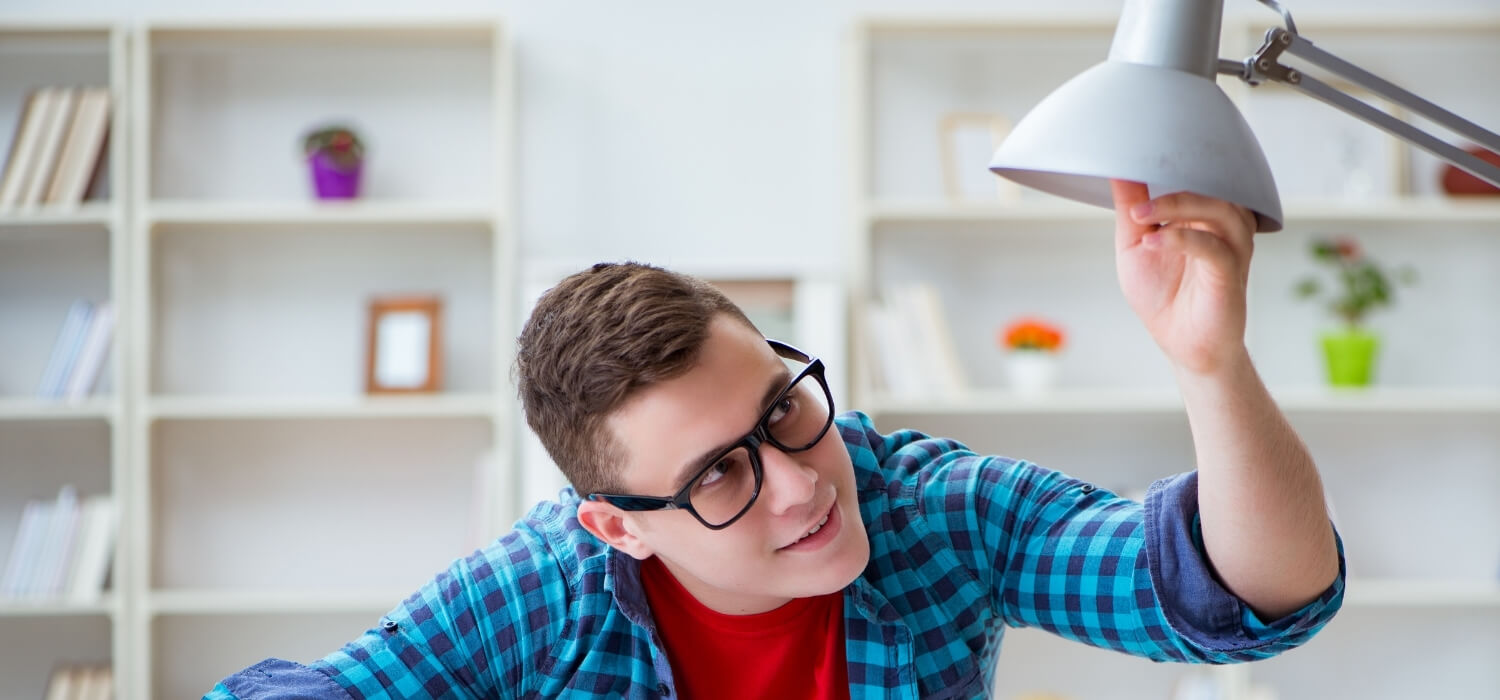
(668, 129)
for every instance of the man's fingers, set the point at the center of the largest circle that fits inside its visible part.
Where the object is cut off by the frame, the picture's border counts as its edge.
(1127, 195)
(1202, 245)
(1234, 224)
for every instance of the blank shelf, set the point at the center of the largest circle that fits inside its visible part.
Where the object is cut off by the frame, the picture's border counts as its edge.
(200, 602)
(1419, 592)
(51, 607)
(292, 407)
(312, 213)
(56, 409)
(1125, 401)
(96, 214)
(1392, 211)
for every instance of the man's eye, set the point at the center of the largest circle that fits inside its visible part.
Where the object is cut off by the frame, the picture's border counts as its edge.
(783, 407)
(714, 473)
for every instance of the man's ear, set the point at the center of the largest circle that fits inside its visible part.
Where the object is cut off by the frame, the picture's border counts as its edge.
(611, 524)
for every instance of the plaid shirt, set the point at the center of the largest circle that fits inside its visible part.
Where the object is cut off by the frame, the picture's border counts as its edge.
(961, 546)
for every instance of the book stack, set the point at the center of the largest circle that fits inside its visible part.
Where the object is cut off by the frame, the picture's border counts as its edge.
(81, 683)
(914, 354)
(78, 355)
(57, 149)
(62, 550)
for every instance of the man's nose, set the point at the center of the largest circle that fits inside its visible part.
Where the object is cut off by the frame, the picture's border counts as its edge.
(788, 483)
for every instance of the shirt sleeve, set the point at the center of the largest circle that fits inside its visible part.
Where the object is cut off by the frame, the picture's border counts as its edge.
(1063, 555)
(471, 632)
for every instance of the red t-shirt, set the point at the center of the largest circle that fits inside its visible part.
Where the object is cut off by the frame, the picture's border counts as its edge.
(794, 651)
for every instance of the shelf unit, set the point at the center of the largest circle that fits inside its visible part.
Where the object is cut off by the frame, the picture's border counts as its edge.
(233, 252)
(238, 362)
(49, 256)
(1116, 417)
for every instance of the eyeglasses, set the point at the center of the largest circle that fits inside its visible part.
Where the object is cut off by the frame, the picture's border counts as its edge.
(728, 484)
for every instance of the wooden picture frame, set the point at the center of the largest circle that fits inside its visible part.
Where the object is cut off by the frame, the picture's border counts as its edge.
(404, 350)
(968, 140)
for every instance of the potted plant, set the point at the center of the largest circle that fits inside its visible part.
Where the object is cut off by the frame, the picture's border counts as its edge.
(335, 157)
(1363, 286)
(1032, 346)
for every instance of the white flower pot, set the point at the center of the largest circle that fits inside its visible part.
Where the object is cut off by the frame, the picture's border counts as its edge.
(1031, 373)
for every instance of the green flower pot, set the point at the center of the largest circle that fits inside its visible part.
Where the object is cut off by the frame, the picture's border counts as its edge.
(1351, 357)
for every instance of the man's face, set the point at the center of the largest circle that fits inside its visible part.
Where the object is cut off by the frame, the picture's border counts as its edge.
(750, 566)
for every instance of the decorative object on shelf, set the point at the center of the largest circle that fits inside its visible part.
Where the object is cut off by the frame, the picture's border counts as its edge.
(1461, 182)
(405, 354)
(1031, 345)
(967, 139)
(1365, 286)
(336, 158)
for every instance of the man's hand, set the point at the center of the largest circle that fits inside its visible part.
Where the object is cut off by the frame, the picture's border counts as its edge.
(1184, 264)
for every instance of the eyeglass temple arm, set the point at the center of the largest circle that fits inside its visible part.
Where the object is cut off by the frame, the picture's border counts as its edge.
(1265, 64)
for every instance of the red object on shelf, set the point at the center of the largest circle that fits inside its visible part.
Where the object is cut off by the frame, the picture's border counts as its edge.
(1458, 181)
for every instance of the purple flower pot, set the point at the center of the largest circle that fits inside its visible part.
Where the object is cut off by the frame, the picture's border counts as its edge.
(332, 181)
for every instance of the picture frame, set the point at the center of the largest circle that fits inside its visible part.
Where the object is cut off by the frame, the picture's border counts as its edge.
(1318, 152)
(404, 351)
(968, 140)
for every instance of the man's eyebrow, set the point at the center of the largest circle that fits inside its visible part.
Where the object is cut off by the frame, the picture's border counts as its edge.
(773, 389)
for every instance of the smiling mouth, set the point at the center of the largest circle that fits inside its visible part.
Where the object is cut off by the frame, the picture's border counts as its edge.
(816, 526)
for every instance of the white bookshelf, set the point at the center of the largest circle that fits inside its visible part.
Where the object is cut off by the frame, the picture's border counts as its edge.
(231, 423)
(1116, 417)
(51, 255)
(252, 329)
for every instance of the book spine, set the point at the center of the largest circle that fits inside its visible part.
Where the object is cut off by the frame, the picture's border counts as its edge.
(23, 149)
(95, 348)
(58, 120)
(21, 549)
(69, 348)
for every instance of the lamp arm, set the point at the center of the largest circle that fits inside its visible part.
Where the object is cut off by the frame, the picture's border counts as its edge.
(1264, 64)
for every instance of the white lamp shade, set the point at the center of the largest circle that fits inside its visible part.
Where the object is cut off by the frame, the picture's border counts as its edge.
(1170, 129)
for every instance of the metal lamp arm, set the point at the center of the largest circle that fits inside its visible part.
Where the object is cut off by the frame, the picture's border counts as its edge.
(1265, 64)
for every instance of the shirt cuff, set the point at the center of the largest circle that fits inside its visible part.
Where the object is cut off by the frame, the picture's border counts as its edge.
(1195, 603)
(275, 679)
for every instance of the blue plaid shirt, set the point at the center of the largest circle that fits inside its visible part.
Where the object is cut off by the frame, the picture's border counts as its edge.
(960, 547)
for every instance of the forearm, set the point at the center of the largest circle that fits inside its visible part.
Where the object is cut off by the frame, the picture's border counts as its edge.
(1261, 506)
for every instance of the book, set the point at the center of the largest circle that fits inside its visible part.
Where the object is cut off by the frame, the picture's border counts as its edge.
(64, 684)
(91, 562)
(82, 149)
(95, 347)
(60, 363)
(59, 117)
(56, 546)
(924, 309)
(23, 147)
(21, 548)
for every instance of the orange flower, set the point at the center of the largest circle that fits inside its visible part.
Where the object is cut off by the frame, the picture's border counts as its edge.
(1032, 334)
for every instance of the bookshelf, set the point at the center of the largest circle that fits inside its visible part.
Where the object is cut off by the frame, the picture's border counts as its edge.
(239, 354)
(50, 256)
(1390, 455)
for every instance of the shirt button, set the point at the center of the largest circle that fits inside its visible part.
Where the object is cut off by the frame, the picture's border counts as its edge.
(389, 625)
(1088, 488)
(663, 690)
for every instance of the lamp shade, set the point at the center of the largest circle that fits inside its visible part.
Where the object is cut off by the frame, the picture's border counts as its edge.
(1171, 129)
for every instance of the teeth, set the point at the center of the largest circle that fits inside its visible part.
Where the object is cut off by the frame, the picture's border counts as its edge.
(814, 529)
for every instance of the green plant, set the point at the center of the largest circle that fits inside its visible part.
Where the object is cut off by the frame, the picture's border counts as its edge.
(1363, 284)
(339, 143)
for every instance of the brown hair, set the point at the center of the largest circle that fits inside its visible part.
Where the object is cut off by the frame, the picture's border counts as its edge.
(596, 339)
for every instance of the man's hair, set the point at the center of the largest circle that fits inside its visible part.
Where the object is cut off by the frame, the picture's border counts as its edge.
(594, 341)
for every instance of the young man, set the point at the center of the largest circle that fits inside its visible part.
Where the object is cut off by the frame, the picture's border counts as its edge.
(738, 538)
